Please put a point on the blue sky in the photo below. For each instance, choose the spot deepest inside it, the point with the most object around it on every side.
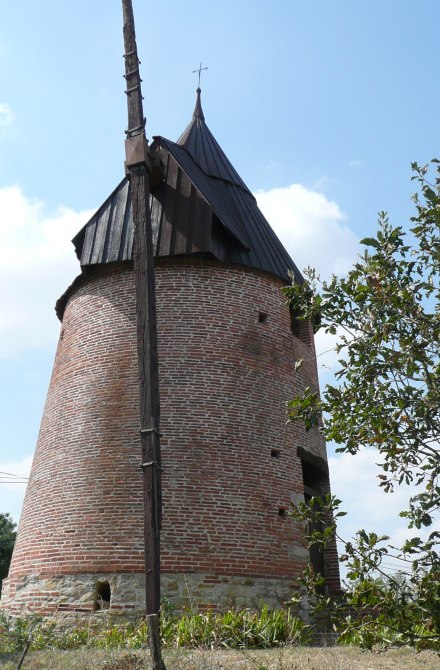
(320, 105)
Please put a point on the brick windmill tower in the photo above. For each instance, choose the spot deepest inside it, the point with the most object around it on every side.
(227, 348)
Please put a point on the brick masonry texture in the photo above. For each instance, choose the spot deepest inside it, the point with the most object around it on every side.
(225, 374)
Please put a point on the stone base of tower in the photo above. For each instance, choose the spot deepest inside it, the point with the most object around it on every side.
(82, 594)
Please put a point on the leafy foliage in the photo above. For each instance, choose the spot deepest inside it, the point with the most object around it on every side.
(386, 312)
(377, 609)
(7, 541)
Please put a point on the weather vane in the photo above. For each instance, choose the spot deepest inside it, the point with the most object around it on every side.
(199, 71)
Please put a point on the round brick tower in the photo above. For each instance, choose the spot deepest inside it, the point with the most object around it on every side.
(231, 464)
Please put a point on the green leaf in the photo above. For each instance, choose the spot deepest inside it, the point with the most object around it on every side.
(370, 242)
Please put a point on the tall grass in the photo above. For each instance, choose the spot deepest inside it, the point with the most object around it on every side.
(234, 629)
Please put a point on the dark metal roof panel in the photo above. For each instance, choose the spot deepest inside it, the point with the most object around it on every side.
(202, 146)
(201, 191)
(213, 190)
(205, 150)
(238, 211)
(181, 215)
(108, 236)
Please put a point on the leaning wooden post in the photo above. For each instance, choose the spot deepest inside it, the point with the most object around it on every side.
(138, 167)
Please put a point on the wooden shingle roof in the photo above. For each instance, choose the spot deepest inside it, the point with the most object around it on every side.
(201, 206)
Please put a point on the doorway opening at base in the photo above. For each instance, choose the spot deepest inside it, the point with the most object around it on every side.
(103, 595)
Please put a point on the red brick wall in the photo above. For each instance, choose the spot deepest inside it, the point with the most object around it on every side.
(225, 376)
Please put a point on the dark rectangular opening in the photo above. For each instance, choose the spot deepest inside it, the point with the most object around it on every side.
(301, 329)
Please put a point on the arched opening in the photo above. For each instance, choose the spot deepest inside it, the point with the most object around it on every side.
(103, 596)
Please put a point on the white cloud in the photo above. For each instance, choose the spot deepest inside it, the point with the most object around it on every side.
(354, 481)
(327, 357)
(7, 117)
(11, 494)
(37, 263)
(311, 228)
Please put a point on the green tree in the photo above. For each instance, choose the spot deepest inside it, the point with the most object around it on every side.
(386, 396)
(7, 541)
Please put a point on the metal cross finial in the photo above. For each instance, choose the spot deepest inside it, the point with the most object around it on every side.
(199, 71)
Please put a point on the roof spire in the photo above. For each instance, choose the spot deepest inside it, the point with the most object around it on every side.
(198, 111)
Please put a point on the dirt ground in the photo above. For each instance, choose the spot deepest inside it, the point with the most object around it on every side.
(297, 658)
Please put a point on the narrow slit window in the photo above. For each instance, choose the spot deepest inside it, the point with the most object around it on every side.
(282, 511)
(262, 317)
(275, 453)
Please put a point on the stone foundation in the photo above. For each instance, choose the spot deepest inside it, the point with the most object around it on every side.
(79, 594)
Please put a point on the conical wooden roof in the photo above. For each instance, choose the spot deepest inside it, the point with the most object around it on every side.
(201, 206)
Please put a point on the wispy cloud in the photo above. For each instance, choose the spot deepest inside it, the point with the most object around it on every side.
(322, 183)
(273, 165)
(355, 164)
(37, 263)
(7, 118)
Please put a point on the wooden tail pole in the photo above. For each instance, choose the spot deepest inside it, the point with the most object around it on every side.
(138, 167)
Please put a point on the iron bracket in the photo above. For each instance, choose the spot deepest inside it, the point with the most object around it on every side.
(153, 464)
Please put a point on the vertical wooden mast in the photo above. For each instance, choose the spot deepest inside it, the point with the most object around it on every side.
(138, 168)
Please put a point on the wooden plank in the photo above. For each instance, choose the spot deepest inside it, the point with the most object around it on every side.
(113, 242)
(101, 234)
(168, 209)
(149, 408)
(87, 249)
(198, 224)
(192, 220)
(206, 226)
(126, 252)
(175, 211)
(156, 219)
(148, 377)
(182, 221)
(161, 195)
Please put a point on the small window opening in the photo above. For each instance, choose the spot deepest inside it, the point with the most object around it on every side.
(282, 511)
(102, 596)
(275, 453)
(301, 329)
(262, 317)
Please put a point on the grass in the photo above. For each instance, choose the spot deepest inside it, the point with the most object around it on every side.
(236, 640)
(234, 629)
(287, 658)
